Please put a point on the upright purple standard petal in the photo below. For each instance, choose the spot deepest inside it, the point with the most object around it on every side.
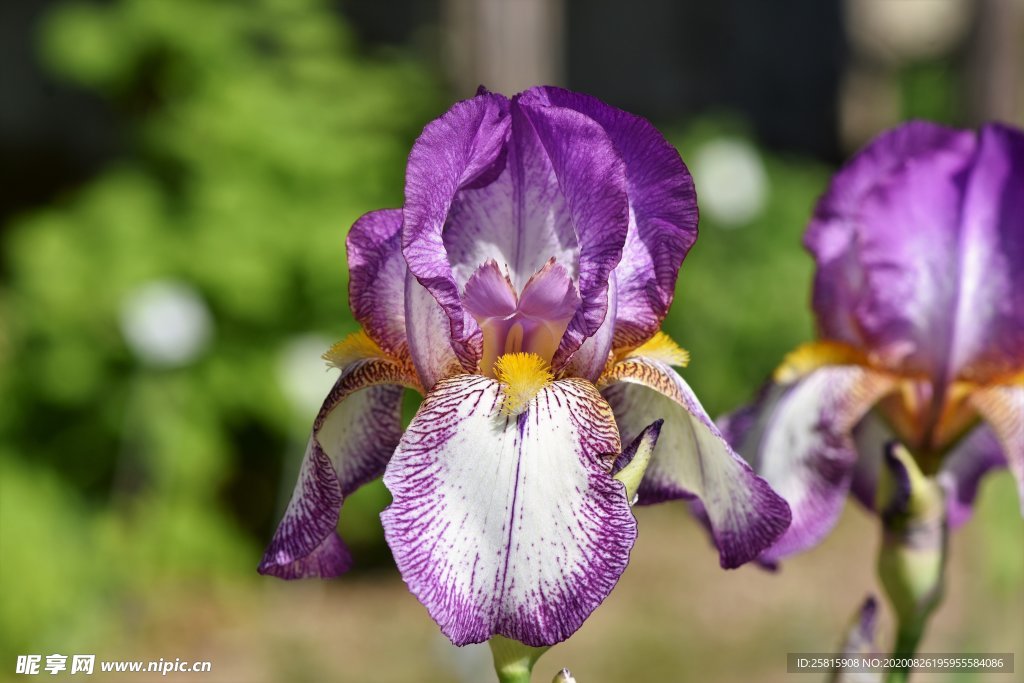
(376, 284)
(591, 177)
(920, 246)
(663, 214)
(798, 437)
(354, 435)
(989, 314)
(462, 148)
(692, 460)
(548, 184)
(509, 525)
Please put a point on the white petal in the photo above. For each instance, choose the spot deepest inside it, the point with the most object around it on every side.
(509, 525)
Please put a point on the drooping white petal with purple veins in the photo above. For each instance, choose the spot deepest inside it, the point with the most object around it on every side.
(508, 525)
(692, 459)
(376, 280)
(353, 437)
(798, 437)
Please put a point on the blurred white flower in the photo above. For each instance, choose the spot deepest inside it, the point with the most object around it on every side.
(731, 181)
(166, 322)
(303, 374)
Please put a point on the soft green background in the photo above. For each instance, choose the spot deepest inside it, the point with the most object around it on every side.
(135, 500)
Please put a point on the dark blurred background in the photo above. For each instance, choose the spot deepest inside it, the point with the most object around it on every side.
(176, 180)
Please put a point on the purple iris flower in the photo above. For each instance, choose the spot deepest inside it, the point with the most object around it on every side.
(919, 298)
(528, 272)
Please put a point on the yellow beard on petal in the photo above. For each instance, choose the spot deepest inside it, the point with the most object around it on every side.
(808, 357)
(356, 346)
(522, 375)
(661, 347)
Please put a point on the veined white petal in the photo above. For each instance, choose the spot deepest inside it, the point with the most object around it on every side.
(508, 525)
(800, 438)
(692, 460)
(353, 436)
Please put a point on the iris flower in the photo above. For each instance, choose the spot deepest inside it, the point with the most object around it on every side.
(529, 270)
(919, 299)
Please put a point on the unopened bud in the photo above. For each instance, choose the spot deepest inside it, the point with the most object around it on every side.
(630, 466)
(859, 641)
(563, 676)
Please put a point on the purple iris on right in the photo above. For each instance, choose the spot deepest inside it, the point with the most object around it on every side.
(919, 299)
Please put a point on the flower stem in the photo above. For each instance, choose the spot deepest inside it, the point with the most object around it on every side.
(513, 661)
(912, 559)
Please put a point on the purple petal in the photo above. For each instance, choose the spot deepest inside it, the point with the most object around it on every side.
(591, 177)
(920, 246)
(693, 460)
(547, 184)
(989, 322)
(799, 438)
(1002, 407)
(461, 149)
(663, 215)
(590, 359)
(376, 284)
(489, 293)
(963, 469)
(306, 543)
(508, 525)
(353, 437)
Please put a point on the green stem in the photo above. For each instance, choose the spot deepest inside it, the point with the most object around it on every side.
(513, 661)
(907, 640)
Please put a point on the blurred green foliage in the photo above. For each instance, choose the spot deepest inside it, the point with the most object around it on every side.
(743, 294)
(254, 134)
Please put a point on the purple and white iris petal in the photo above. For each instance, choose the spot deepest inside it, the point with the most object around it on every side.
(429, 335)
(1002, 407)
(591, 358)
(377, 272)
(989, 317)
(693, 460)
(519, 183)
(663, 214)
(520, 219)
(523, 538)
(592, 177)
(456, 151)
(798, 437)
(885, 289)
(354, 435)
(918, 243)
